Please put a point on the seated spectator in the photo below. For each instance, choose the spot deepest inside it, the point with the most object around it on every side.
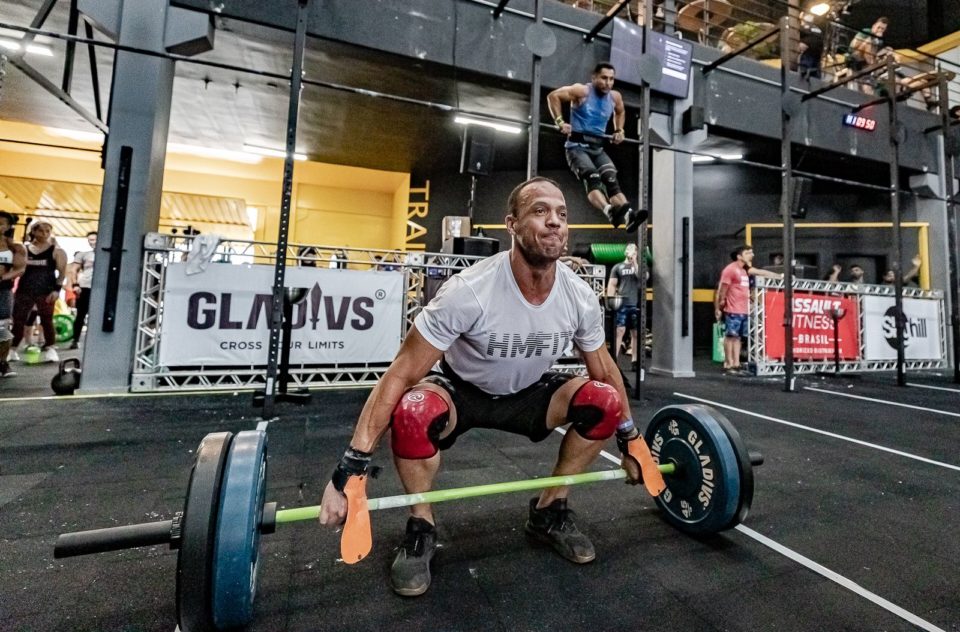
(865, 50)
(307, 256)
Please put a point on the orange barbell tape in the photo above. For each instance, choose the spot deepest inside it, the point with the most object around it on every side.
(652, 478)
(356, 539)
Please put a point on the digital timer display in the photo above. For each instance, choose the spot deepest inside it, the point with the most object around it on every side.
(860, 122)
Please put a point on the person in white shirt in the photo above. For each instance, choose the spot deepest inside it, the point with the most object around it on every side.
(80, 274)
(495, 330)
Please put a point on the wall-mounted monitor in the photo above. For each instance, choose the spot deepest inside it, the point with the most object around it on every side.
(675, 57)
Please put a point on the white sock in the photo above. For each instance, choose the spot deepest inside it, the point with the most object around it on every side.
(608, 211)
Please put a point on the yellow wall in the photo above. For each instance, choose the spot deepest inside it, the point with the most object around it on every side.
(342, 217)
(333, 205)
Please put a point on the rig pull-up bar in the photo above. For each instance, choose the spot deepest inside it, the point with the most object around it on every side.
(612, 13)
(724, 59)
(824, 89)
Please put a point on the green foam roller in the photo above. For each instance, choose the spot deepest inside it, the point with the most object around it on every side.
(608, 254)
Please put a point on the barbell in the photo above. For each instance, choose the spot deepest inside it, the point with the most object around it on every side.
(706, 466)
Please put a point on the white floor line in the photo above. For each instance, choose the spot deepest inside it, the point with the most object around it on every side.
(840, 579)
(818, 431)
(810, 564)
(880, 401)
(935, 388)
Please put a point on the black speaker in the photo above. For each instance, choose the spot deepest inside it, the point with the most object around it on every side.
(692, 119)
(476, 246)
(799, 197)
(478, 151)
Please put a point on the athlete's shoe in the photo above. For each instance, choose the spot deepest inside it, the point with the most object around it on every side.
(616, 213)
(554, 525)
(5, 370)
(633, 217)
(49, 355)
(410, 573)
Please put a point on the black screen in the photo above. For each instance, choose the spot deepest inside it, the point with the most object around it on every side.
(675, 57)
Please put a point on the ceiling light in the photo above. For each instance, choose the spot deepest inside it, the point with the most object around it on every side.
(75, 134)
(36, 49)
(500, 127)
(820, 8)
(702, 159)
(213, 152)
(273, 153)
(731, 156)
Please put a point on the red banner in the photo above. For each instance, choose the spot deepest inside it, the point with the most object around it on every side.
(813, 327)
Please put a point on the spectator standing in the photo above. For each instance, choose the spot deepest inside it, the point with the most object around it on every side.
(624, 282)
(12, 263)
(810, 46)
(81, 280)
(39, 286)
(732, 303)
(909, 277)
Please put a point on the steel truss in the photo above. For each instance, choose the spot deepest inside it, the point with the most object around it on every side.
(763, 366)
(161, 249)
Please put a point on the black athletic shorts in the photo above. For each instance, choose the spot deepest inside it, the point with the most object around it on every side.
(524, 412)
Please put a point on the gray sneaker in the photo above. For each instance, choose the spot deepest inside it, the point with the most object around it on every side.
(554, 525)
(410, 573)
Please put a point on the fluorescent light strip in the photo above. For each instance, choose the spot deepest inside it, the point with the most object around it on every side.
(36, 49)
(731, 156)
(273, 153)
(213, 152)
(702, 159)
(500, 127)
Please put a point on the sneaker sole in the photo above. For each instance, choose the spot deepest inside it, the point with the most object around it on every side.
(418, 590)
(541, 538)
(638, 219)
(411, 592)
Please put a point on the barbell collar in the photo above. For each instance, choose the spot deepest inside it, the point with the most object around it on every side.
(756, 458)
(112, 539)
(268, 523)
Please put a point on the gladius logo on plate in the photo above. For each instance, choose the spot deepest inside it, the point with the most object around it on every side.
(207, 310)
(913, 328)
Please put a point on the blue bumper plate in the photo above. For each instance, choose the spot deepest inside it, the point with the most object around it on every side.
(237, 547)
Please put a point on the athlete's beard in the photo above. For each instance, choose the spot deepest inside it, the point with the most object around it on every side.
(536, 260)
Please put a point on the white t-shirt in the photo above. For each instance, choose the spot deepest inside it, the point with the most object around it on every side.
(85, 261)
(496, 340)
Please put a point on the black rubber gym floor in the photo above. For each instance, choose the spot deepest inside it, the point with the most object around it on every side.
(854, 521)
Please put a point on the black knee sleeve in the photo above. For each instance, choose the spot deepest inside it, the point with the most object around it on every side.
(592, 181)
(608, 176)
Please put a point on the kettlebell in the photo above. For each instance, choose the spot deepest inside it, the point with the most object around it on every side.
(67, 380)
(31, 355)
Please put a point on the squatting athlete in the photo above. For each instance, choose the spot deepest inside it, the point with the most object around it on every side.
(479, 356)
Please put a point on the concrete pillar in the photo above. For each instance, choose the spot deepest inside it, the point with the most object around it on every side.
(672, 203)
(139, 114)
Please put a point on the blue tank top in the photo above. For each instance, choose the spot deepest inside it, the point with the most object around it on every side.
(591, 115)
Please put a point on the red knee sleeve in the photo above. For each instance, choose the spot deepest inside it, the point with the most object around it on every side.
(595, 410)
(417, 421)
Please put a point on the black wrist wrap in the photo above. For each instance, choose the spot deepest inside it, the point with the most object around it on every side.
(353, 463)
(623, 438)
